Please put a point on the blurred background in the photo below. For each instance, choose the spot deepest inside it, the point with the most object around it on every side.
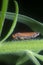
(33, 9)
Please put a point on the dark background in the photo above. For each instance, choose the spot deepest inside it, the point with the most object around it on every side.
(31, 8)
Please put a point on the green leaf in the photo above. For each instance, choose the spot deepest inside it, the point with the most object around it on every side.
(3, 14)
(14, 22)
(38, 56)
(32, 23)
(26, 56)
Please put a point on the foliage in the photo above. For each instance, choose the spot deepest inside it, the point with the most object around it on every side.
(8, 48)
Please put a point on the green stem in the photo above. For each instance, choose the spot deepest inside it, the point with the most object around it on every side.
(32, 23)
(35, 25)
(3, 13)
(26, 55)
(16, 46)
(13, 24)
(38, 56)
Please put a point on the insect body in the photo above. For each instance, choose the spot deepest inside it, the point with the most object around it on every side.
(25, 35)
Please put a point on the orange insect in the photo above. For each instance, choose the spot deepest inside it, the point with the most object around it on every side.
(25, 35)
